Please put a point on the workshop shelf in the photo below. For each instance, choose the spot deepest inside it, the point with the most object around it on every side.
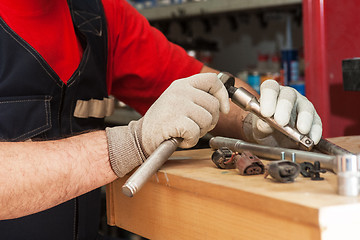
(193, 9)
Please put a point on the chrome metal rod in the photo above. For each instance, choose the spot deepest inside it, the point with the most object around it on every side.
(274, 153)
(150, 166)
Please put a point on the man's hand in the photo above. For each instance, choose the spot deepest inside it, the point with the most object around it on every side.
(188, 109)
(287, 106)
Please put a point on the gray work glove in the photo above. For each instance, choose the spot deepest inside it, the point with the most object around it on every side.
(287, 106)
(188, 109)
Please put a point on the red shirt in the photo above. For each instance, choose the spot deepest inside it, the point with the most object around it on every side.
(47, 26)
(141, 62)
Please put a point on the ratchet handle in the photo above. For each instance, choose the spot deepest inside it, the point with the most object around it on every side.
(248, 102)
(150, 166)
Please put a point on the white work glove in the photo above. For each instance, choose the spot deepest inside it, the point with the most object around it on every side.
(287, 106)
(187, 109)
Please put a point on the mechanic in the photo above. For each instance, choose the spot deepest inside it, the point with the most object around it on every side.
(60, 61)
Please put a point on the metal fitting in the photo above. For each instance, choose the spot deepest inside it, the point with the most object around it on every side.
(348, 174)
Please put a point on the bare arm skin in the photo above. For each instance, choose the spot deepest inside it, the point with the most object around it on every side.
(231, 124)
(35, 176)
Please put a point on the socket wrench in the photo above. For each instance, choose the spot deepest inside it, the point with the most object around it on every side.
(248, 102)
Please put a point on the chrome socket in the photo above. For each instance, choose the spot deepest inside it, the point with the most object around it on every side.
(348, 175)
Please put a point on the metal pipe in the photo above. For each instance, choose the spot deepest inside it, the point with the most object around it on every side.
(150, 166)
(274, 153)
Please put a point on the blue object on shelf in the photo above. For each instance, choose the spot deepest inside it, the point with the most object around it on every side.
(299, 86)
(290, 64)
(254, 81)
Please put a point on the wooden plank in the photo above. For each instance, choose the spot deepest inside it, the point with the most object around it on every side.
(159, 212)
(110, 204)
(189, 198)
(351, 143)
(340, 222)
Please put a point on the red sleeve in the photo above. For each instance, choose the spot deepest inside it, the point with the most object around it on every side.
(142, 62)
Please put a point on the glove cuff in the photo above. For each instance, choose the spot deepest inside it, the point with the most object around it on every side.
(125, 151)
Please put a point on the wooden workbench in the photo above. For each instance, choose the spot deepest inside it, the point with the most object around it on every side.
(189, 198)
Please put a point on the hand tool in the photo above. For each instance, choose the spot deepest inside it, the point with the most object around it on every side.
(150, 166)
(330, 148)
(248, 102)
(243, 99)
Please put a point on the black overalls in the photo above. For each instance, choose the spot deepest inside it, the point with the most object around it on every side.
(36, 104)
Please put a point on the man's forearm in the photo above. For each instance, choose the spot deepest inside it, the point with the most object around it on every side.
(35, 176)
(231, 124)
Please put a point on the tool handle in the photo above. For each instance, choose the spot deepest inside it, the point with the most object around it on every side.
(248, 102)
(330, 148)
(150, 166)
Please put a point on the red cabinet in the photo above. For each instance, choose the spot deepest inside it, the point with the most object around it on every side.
(331, 34)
